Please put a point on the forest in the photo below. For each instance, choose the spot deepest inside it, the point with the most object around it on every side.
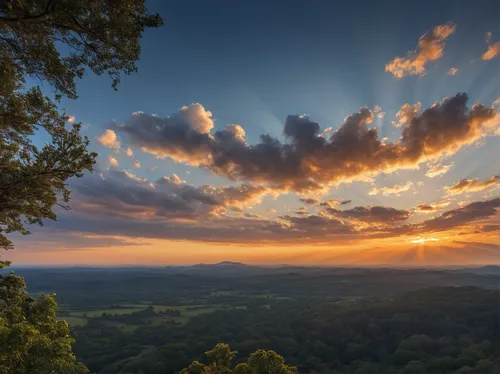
(320, 320)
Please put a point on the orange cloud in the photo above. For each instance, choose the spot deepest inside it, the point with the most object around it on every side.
(130, 153)
(438, 169)
(430, 48)
(470, 185)
(492, 51)
(394, 190)
(109, 140)
(112, 161)
(431, 208)
(137, 164)
(452, 71)
(331, 203)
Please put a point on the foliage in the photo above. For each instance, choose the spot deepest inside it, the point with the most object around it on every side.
(259, 362)
(101, 36)
(32, 340)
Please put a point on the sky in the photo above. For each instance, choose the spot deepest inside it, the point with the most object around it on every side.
(312, 133)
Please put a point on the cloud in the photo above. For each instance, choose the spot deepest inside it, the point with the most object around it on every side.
(492, 51)
(109, 140)
(174, 179)
(331, 203)
(71, 119)
(310, 201)
(394, 190)
(438, 169)
(130, 153)
(345, 202)
(431, 208)
(308, 162)
(184, 136)
(153, 168)
(372, 214)
(471, 185)
(430, 48)
(407, 113)
(112, 161)
(452, 71)
(121, 194)
(137, 164)
(461, 216)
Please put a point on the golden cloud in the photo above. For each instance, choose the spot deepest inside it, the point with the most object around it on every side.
(471, 185)
(430, 48)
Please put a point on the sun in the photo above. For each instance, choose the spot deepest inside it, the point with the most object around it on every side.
(424, 240)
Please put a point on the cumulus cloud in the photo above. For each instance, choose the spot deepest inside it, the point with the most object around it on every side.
(452, 71)
(71, 119)
(394, 190)
(137, 164)
(437, 169)
(112, 161)
(308, 162)
(184, 136)
(109, 140)
(130, 153)
(430, 48)
(492, 51)
(471, 185)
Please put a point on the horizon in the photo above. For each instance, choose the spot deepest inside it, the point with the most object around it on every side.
(315, 137)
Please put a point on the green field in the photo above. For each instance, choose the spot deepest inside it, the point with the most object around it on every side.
(81, 317)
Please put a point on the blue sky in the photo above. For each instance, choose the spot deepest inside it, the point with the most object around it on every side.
(255, 63)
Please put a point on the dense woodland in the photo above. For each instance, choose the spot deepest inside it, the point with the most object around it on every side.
(319, 320)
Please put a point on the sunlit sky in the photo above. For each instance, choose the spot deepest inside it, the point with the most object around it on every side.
(273, 132)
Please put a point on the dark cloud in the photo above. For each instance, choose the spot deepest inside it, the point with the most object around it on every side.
(461, 216)
(345, 202)
(373, 214)
(310, 201)
(308, 161)
(121, 193)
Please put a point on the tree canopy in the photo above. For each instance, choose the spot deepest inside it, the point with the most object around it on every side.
(54, 42)
(32, 340)
(259, 362)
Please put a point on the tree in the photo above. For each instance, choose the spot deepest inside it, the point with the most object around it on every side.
(32, 340)
(101, 36)
(260, 362)
(54, 42)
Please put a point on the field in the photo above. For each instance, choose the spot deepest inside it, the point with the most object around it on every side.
(157, 318)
